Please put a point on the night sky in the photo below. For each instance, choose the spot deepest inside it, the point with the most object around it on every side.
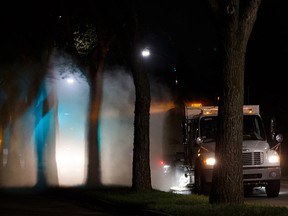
(186, 40)
(192, 48)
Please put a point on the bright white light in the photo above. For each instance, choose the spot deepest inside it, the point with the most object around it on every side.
(183, 181)
(145, 52)
(70, 162)
(70, 80)
(210, 161)
(274, 159)
(70, 145)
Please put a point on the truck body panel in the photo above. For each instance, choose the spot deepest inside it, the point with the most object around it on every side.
(194, 133)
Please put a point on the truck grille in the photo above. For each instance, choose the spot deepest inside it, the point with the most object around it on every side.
(252, 158)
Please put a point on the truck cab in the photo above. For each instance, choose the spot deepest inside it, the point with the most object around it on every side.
(261, 163)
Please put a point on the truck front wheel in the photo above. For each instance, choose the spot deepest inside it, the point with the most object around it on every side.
(273, 188)
(201, 186)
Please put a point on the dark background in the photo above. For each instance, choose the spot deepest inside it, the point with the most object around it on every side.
(191, 48)
(182, 37)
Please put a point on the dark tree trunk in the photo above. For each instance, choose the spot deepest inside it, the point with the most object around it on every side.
(227, 176)
(141, 175)
(96, 68)
(95, 58)
(236, 21)
(94, 166)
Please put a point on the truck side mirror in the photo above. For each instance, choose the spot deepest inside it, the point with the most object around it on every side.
(199, 141)
(273, 128)
(279, 138)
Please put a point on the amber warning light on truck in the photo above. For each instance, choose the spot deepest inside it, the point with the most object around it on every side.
(194, 104)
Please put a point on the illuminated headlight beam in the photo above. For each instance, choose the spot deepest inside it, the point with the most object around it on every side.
(274, 159)
(210, 161)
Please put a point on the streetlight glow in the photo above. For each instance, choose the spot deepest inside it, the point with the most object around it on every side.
(70, 80)
(145, 52)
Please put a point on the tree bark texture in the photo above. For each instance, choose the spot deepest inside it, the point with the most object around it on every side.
(96, 69)
(141, 174)
(236, 19)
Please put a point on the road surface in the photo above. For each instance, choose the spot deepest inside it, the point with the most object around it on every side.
(259, 196)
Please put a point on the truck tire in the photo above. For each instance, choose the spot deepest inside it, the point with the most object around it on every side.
(273, 188)
(248, 189)
(201, 187)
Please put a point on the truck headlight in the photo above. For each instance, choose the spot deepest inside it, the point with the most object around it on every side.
(209, 161)
(273, 159)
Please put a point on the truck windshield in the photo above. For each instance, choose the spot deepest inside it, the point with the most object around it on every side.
(252, 128)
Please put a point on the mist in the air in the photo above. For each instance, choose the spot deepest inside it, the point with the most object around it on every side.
(49, 139)
(117, 129)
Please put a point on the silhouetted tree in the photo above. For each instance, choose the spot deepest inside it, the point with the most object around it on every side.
(235, 20)
(141, 175)
(25, 55)
(86, 33)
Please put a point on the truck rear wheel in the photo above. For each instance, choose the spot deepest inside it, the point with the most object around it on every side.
(273, 188)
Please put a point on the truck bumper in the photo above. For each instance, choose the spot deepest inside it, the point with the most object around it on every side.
(261, 175)
(257, 175)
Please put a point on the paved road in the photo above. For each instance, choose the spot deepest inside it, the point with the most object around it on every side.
(259, 196)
